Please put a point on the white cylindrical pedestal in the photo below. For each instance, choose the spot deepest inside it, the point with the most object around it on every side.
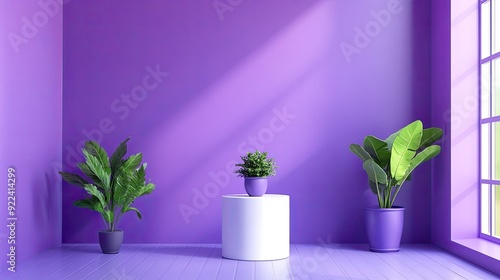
(256, 228)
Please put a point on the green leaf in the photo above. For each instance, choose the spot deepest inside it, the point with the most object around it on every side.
(378, 179)
(86, 170)
(360, 152)
(73, 179)
(378, 150)
(425, 155)
(98, 170)
(139, 215)
(116, 158)
(127, 185)
(404, 149)
(108, 216)
(94, 149)
(84, 203)
(375, 172)
(390, 140)
(147, 189)
(121, 183)
(373, 187)
(134, 181)
(92, 190)
(137, 182)
(429, 136)
(132, 162)
(90, 203)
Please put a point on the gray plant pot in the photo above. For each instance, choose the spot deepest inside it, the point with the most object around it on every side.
(110, 241)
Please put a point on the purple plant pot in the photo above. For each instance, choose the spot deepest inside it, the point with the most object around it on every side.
(384, 227)
(110, 241)
(255, 186)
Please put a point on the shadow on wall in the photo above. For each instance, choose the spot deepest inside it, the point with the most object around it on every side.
(280, 84)
(173, 100)
(48, 207)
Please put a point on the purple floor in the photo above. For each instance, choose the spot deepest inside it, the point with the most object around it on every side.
(180, 261)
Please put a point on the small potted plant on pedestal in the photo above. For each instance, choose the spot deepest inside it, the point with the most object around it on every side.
(389, 163)
(113, 185)
(256, 167)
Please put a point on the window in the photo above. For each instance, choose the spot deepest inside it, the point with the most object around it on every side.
(490, 118)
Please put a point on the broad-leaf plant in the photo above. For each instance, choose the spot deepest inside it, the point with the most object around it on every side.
(390, 162)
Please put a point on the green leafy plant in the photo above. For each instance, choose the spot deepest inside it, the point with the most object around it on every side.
(256, 164)
(390, 162)
(114, 183)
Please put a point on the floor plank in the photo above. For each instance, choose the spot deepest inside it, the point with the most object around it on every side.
(213, 264)
(104, 264)
(245, 270)
(406, 266)
(166, 255)
(47, 259)
(197, 262)
(180, 264)
(311, 266)
(205, 262)
(452, 264)
(145, 265)
(282, 269)
(264, 270)
(383, 268)
(92, 258)
(347, 267)
(367, 269)
(328, 264)
(227, 269)
(122, 270)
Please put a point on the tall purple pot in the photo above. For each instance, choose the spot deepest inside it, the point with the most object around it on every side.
(384, 227)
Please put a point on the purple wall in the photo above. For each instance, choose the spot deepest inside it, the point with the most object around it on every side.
(441, 104)
(31, 123)
(300, 80)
